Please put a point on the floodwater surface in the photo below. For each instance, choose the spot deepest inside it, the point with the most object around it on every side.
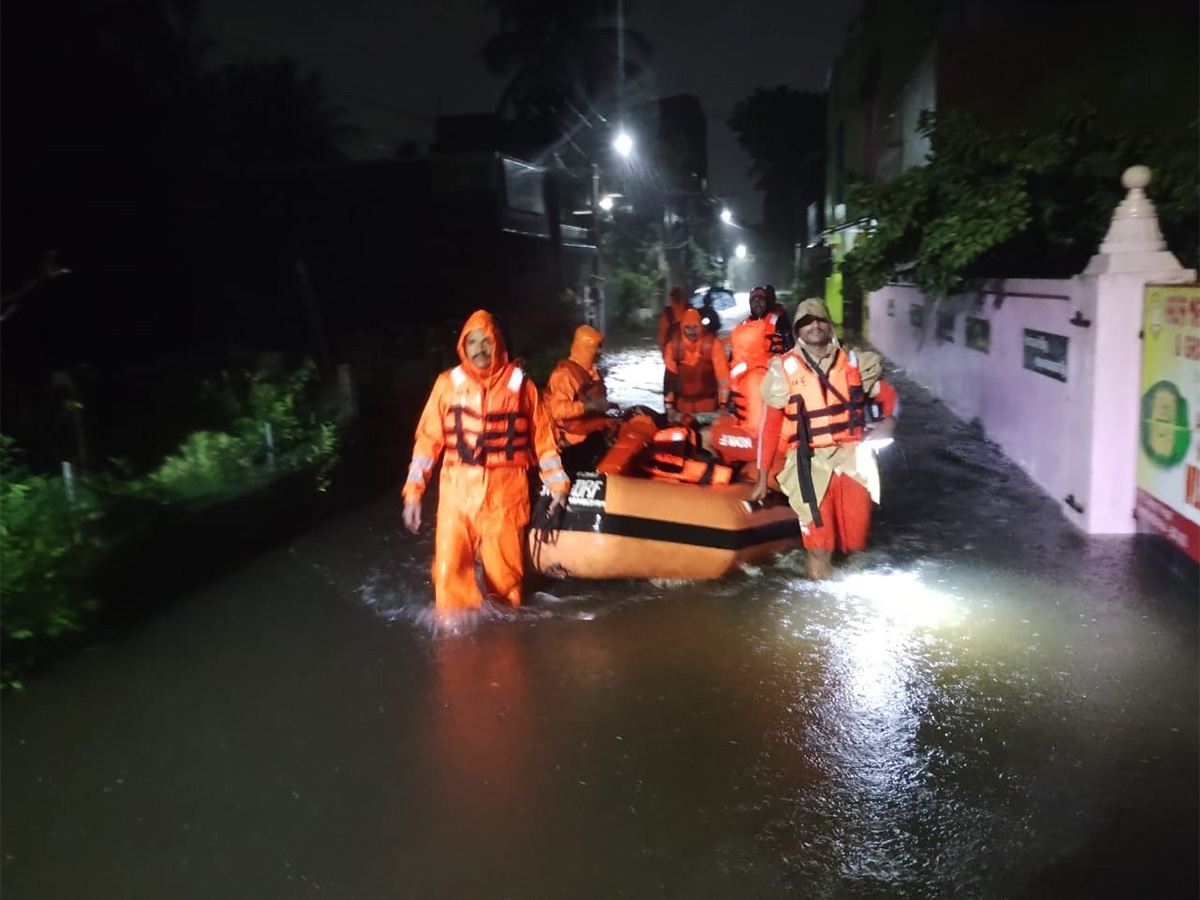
(984, 704)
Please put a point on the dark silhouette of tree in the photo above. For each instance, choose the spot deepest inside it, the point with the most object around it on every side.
(273, 113)
(103, 84)
(561, 59)
(783, 131)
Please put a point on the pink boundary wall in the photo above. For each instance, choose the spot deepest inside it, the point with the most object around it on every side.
(1077, 439)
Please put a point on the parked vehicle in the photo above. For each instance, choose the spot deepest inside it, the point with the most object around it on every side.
(733, 308)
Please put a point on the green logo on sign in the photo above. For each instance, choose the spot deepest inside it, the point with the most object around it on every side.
(1165, 432)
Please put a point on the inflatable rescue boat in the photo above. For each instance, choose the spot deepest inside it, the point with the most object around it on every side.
(623, 524)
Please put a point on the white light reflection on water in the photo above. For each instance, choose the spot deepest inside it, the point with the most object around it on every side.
(902, 598)
(868, 642)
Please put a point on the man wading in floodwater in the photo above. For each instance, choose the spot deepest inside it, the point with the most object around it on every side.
(823, 401)
(487, 417)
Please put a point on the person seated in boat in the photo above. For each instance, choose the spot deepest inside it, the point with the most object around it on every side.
(577, 401)
(734, 435)
(672, 316)
(697, 372)
(825, 406)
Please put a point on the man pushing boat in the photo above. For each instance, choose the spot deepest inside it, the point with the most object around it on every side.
(825, 407)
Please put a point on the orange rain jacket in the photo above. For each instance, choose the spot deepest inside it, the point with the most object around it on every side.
(573, 380)
(488, 427)
(671, 319)
(697, 375)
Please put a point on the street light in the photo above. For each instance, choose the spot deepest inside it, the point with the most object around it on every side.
(606, 202)
(623, 143)
(727, 216)
(740, 251)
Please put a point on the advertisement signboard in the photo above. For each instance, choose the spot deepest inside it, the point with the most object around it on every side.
(1168, 477)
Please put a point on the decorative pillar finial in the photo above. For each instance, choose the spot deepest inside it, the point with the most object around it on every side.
(1134, 242)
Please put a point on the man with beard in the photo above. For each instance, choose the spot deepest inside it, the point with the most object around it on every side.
(487, 417)
(824, 404)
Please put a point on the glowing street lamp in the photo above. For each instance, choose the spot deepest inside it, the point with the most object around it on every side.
(606, 203)
(727, 216)
(740, 251)
(623, 143)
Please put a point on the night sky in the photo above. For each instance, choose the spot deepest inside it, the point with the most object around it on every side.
(395, 66)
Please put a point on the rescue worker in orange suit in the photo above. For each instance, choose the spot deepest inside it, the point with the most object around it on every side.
(766, 308)
(734, 436)
(485, 421)
(830, 404)
(672, 316)
(577, 402)
(697, 374)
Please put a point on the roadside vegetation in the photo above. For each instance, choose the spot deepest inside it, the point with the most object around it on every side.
(59, 530)
(992, 204)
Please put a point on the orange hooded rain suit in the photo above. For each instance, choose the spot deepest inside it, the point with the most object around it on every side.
(697, 375)
(492, 426)
(573, 380)
(672, 317)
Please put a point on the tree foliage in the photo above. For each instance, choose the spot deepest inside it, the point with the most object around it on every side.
(1015, 204)
(631, 245)
(130, 83)
(783, 131)
(274, 112)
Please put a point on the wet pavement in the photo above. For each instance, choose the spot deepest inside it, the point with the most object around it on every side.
(984, 704)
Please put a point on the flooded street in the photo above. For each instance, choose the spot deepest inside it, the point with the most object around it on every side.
(985, 704)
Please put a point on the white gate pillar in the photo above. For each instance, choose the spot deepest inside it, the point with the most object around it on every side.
(1132, 255)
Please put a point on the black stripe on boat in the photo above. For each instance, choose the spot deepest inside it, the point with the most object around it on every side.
(678, 533)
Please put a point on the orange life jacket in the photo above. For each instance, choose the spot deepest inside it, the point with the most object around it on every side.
(744, 393)
(634, 435)
(697, 383)
(825, 408)
(487, 428)
(776, 342)
(732, 442)
(672, 457)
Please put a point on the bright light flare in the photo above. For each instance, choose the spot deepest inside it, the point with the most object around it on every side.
(606, 203)
(726, 216)
(623, 144)
(902, 598)
(740, 251)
